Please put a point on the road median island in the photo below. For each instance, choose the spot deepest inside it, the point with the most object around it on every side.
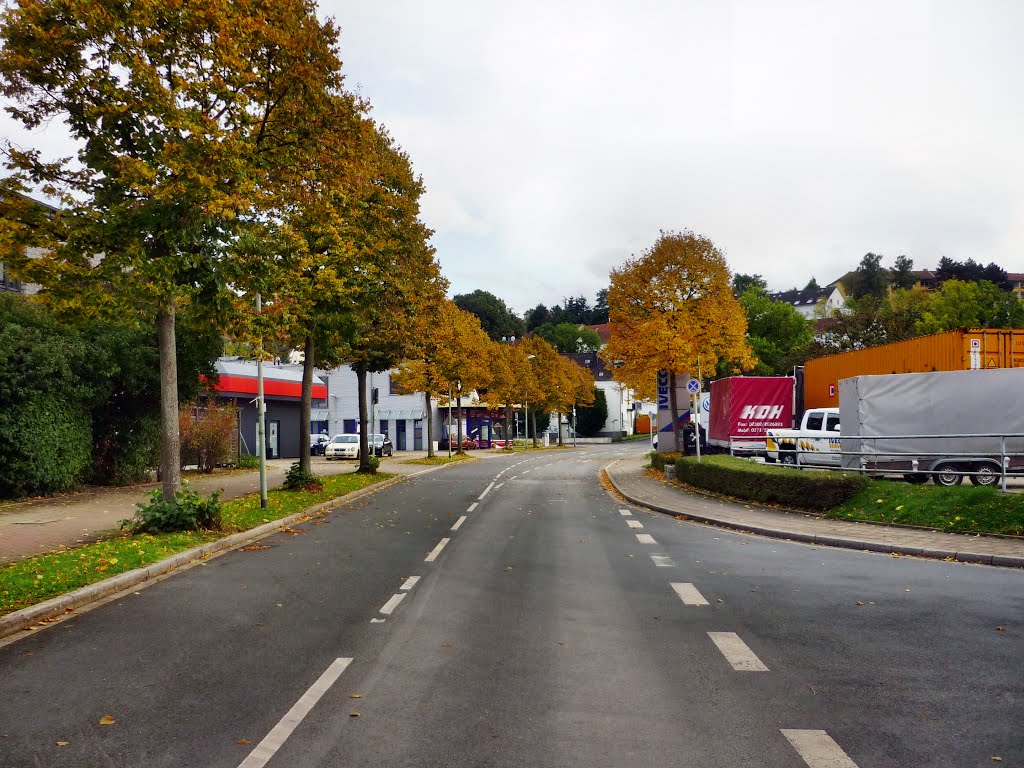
(43, 588)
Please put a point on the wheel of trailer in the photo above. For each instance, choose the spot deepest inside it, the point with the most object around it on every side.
(788, 458)
(947, 475)
(916, 478)
(985, 474)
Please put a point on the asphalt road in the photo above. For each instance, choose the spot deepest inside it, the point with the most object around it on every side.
(545, 632)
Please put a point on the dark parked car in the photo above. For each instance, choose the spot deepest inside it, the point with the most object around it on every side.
(381, 445)
(317, 443)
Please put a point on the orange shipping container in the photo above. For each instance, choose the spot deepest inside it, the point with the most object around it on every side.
(951, 351)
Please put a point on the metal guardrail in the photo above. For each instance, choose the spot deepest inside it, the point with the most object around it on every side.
(1002, 456)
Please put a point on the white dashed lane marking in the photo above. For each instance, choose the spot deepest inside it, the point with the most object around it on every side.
(486, 491)
(736, 652)
(436, 551)
(272, 742)
(410, 583)
(472, 507)
(391, 604)
(634, 524)
(818, 749)
(625, 513)
(663, 561)
(458, 523)
(645, 538)
(689, 594)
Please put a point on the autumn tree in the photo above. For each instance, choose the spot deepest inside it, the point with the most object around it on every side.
(454, 353)
(672, 309)
(510, 383)
(396, 282)
(180, 112)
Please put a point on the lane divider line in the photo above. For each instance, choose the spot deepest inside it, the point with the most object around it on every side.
(498, 486)
(436, 551)
(818, 749)
(458, 523)
(663, 561)
(376, 621)
(472, 507)
(272, 742)
(388, 608)
(513, 478)
(410, 583)
(645, 538)
(486, 491)
(625, 513)
(736, 652)
(634, 524)
(689, 594)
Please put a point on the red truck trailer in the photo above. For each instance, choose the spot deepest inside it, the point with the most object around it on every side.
(744, 408)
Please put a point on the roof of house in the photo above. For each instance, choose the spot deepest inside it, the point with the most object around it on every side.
(603, 331)
(803, 298)
(592, 363)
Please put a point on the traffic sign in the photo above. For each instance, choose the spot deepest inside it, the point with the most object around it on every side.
(693, 386)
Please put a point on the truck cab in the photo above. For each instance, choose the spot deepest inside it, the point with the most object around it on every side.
(814, 443)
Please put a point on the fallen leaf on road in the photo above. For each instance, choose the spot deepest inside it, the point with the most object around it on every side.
(996, 759)
(508, 567)
(243, 742)
(719, 600)
(1000, 629)
(354, 714)
(255, 547)
(355, 695)
(447, 644)
(859, 602)
(107, 720)
(63, 743)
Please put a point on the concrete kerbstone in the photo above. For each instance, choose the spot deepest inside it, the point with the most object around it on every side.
(60, 605)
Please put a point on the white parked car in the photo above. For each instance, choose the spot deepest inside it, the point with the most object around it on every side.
(342, 447)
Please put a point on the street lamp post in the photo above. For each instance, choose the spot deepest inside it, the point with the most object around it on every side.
(449, 425)
(528, 358)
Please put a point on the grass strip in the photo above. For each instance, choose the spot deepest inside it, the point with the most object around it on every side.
(960, 509)
(34, 579)
(433, 461)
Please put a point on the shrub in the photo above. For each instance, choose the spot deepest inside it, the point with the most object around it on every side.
(209, 434)
(590, 419)
(187, 511)
(660, 460)
(44, 446)
(758, 482)
(297, 480)
(247, 461)
(373, 463)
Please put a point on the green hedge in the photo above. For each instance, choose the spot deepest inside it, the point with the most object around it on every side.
(660, 460)
(765, 483)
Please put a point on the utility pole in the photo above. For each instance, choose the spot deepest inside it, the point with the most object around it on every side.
(261, 414)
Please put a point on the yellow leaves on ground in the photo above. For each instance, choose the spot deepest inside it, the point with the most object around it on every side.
(107, 720)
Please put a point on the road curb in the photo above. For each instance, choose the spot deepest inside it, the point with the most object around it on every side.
(58, 606)
(1004, 561)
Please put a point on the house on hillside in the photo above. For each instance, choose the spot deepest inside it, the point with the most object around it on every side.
(620, 398)
(807, 301)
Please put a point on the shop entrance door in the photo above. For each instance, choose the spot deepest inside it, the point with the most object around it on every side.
(273, 445)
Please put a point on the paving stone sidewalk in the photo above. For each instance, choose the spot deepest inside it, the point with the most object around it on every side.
(36, 526)
(629, 478)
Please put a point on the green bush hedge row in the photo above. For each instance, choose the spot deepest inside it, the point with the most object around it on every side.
(660, 460)
(758, 482)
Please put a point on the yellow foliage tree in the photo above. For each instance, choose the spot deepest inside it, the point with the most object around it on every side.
(512, 380)
(672, 309)
(451, 357)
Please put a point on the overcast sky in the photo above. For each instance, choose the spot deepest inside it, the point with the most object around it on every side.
(557, 138)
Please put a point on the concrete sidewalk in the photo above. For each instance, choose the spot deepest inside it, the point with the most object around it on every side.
(629, 478)
(42, 525)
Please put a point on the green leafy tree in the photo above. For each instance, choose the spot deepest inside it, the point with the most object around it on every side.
(569, 337)
(180, 113)
(902, 275)
(741, 282)
(599, 314)
(812, 285)
(959, 304)
(590, 419)
(497, 320)
(774, 330)
(869, 279)
(537, 316)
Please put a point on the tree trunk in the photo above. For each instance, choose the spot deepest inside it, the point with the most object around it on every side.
(459, 418)
(306, 409)
(364, 461)
(170, 441)
(533, 420)
(675, 410)
(430, 428)
(559, 429)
